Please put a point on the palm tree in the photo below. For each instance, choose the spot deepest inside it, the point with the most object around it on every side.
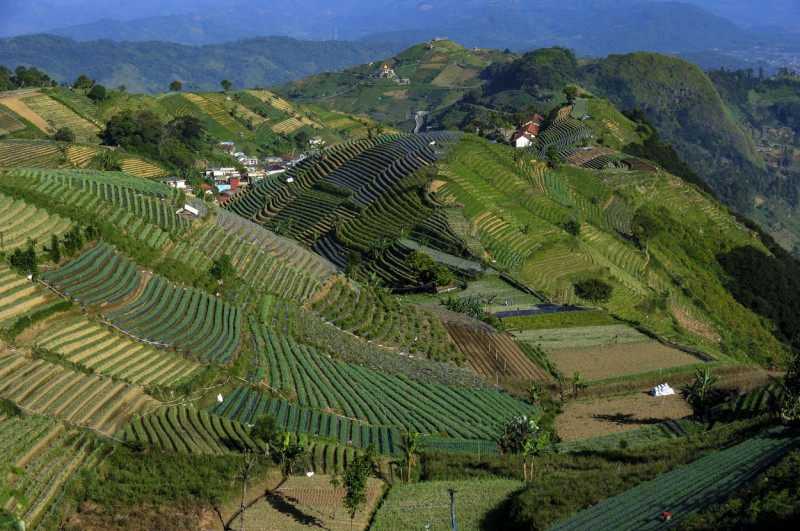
(696, 393)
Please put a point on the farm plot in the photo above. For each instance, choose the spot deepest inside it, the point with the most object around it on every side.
(582, 336)
(582, 419)
(479, 504)
(322, 383)
(141, 168)
(81, 156)
(301, 502)
(185, 429)
(21, 222)
(19, 296)
(101, 275)
(687, 489)
(191, 320)
(17, 105)
(386, 322)
(61, 116)
(597, 363)
(91, 345)
(310, 330)
(81, 399)
(493, 355)
(9, 124)
(49, 454)
(19, 153)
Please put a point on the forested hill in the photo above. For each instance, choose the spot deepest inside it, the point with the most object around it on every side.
(151, 66)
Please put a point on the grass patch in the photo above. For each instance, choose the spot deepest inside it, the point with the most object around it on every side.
(558, 320)
(481, 504)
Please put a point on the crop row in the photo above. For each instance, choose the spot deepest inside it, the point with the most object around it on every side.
(186, 318)
(100, 275)
(185, 429)
(52, 390)
(93, 346)
(323, 383)
(290, 319)
(687, 489)
(60, 454)
(244, 405)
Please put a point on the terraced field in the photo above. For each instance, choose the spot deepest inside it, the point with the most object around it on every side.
(55, 113)
(49, 454)
(19, 153)
(99, 276)
(9, 124)
(21, 222)
(185, 429)
(385, 321)
(190, 320)
(687, 489)
(142, 168)
(321, 383)
(85, 342)
(80, 399)
(19, 296)
(81, 156)
(494, 355)
(263, 260)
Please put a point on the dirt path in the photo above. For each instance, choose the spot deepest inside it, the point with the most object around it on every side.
(16, 104)
(582, 419)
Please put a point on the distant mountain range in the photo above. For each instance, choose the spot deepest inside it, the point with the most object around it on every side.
(591, 27)
(151, 66)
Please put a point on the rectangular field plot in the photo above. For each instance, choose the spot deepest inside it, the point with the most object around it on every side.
(597, 363)
(582, 336)
(417, 505)
(302, 502)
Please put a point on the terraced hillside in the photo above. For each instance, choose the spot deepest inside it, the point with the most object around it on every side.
(49, 453)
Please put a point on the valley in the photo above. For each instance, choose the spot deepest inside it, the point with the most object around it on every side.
(270, 290)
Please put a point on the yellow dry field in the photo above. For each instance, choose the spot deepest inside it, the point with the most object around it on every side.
(61, 116)
(597, 363)
(79, 156)
(454, 74)
(287, 126)
(141, 168)
(582, 419)
(16, 104)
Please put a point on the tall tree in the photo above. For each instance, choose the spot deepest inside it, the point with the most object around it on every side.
(226, 85)
(176, 86)
(354, 481)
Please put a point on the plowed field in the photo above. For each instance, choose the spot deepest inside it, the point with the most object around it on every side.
(495, 355)
(597, 363)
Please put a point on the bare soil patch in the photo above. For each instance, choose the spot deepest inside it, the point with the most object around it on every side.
(582, 419)
(304, 502)
(695, 326)
(15, 104)
(597, 363)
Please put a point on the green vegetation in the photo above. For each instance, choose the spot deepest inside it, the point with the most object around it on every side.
(559, 320)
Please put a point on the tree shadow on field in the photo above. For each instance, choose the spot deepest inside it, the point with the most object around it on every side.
(627, 418)
(497, 517)
(284, 505)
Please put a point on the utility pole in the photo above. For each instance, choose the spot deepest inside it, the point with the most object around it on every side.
(248, 460)
(452, 507)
